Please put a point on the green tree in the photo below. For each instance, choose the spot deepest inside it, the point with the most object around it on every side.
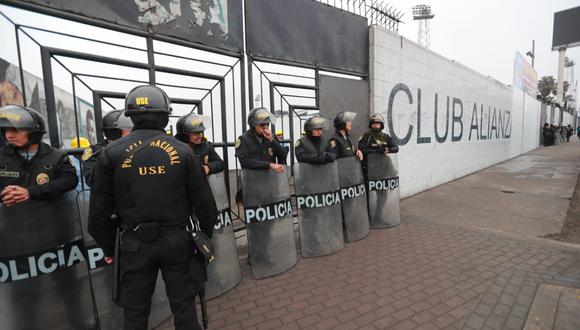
(547, 87)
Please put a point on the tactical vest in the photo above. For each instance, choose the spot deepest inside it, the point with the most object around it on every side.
(39, 170)
(150, 185)
(311, 148)
(260, 150)
(342, 146)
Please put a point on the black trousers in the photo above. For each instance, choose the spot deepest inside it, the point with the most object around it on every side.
(140, 263)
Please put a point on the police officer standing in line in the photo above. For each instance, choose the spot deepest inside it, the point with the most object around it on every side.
(152, 182)
(29, 168)
(115, 126)
(190, 130)
(341, 142)
(375, 141)
(314, 148)
(257, 148)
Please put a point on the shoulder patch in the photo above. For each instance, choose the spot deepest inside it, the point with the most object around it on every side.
(297, 144)
(238, 143)
(87, 154)
(332, 144)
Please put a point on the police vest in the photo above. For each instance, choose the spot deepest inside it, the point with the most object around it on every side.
(342, 146)
(312, 148)
(150, 185)
(260, 150)
(41, 169)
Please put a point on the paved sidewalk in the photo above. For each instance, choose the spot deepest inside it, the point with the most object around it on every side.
(466, 255)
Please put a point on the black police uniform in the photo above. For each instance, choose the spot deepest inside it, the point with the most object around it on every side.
(89, 159)
(342, 145)
(257, 152)
(206, 153)
(153, 192)
(46, 176)
(376, 142)
(314, 150)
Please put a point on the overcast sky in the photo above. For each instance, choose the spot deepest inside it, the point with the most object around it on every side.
(485, 35)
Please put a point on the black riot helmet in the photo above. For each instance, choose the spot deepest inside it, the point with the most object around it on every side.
(18, 117)
(113, 124)
(259, 116)
(147, 99)
(377, 118)
(187, 124)
(314, 123)
(343, 117)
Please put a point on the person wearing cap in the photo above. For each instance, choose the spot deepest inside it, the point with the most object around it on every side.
(190, 130)
(280, 137)
(29, 168)
(314, 148)
(257, 148)
(115, 126)
(375, 140)
(154, 184)
(341, 141)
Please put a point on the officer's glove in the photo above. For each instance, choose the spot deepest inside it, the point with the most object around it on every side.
(328, 157)
(321, 159)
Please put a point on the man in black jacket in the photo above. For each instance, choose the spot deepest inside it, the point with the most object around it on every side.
(29, 168)
(341, 141)
(190, 130)
(314, 148)
(375, 141)
(152, 182)
(257, 148)
(115, 126)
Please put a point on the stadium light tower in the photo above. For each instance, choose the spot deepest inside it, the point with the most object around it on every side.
(422, 14)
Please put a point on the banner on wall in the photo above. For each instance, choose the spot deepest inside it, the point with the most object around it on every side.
(11, 93)
(525, 76)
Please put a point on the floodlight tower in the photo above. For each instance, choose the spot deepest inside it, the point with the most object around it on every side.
(422, 14)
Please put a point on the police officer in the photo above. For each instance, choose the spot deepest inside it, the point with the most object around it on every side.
(190, 130)
(374, 140)
(29, 168)
(314, 148)
(546, 134)
(115, 126)
(257, 148)
(152, 182)
(341, 141)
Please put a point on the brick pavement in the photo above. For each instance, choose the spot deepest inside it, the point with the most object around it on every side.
(420, 275)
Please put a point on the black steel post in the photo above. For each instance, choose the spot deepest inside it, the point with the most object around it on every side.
(225, 134)
(51, 115)
(97, 108)
(22, 83)
(151, 60)
(291, 123)
(243, 87)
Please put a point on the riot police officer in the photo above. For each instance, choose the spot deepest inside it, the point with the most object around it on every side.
(29, 168)
(190, 130)
(374, 140)
(341, 141)
(115, 126)
(314, 148)
(257, 148)
(152, 182)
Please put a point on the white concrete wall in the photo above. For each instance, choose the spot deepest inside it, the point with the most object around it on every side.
(475, 139)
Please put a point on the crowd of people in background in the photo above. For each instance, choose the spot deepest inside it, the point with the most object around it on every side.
(557, 134)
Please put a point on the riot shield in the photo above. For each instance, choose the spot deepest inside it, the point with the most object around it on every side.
(44, 280)
(354, 199)
(269, 222)
(224, 273)
(383, 190)
(319, 212)
(111, 315)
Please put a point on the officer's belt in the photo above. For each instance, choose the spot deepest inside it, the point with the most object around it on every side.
(162, 224)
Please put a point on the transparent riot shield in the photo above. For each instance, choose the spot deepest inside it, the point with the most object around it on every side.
(44, 280)
(224, 273)
(354, 199)
(269, 222)
(319, 212)
(383, 190)
(111, 315)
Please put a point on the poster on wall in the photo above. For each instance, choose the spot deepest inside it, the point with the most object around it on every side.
(87, 120)
(525, 76)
